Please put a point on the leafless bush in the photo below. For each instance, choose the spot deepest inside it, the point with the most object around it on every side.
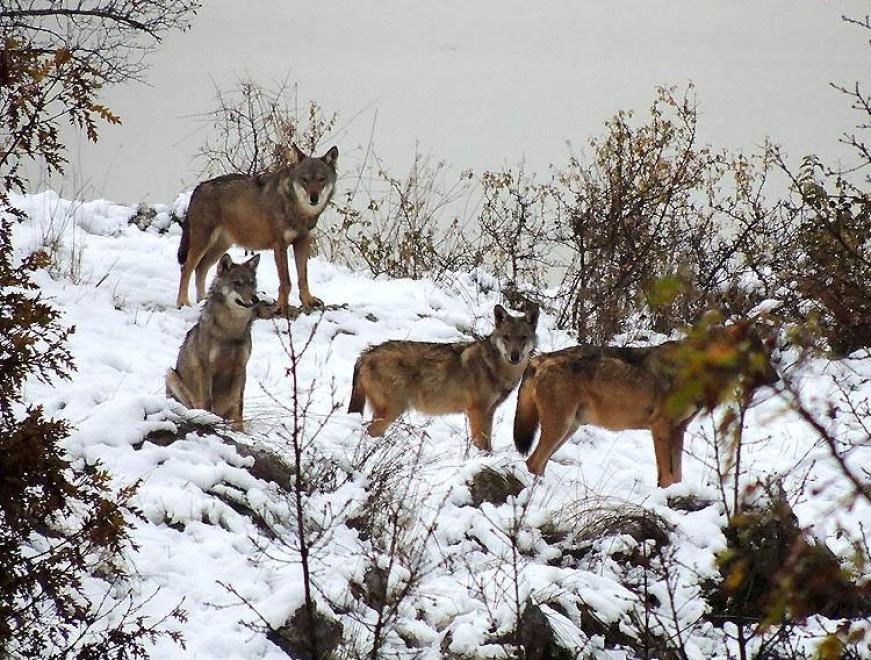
(254, 126)
(61, 527)
(516, 222)
(825, 267)
(636, 213)
(394, 530)
(403, 227)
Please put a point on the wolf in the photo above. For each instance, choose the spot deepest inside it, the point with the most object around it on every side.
(270, 211)
(626, 388)
(437, 378)
(210, 371)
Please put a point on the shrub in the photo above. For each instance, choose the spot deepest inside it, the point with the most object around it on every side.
(59, 524)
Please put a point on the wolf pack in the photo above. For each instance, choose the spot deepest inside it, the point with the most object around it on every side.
(616, 388)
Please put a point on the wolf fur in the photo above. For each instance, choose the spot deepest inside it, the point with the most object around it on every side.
(266, 212)
(436, 378)
(210, 371)
(616, 389)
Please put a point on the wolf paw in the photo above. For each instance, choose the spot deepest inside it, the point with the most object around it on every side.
(310, 302)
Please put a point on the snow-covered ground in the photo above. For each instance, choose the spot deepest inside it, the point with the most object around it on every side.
(117, 284)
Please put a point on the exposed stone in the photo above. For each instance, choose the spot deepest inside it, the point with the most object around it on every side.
(267, 466)
(690, 503)
(301, 642)
(143, 217)
(488, 485)
(538, 638)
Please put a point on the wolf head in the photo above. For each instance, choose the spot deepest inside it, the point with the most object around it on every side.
(514, 336)
(756, 354)
(314, 179)
(237, 283)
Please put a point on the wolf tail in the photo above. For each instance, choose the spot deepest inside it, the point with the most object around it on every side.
(526, 416)
(358, 396)
(184, 245)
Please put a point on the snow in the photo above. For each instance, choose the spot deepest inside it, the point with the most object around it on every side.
(192, 545)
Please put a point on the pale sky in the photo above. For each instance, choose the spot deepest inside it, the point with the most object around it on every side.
(484, 83)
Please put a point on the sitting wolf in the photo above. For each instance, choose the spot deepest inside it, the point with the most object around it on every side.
(435, 378)
(210, 372)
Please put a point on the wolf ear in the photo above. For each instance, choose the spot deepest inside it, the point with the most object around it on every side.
(499, 314)
(532, 314)
(253, 262)
(225, 264)
(297, 153)
(330, 157)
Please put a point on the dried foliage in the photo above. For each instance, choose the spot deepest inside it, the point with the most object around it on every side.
(255, 127)
(56, 57)
(398, 226)
(517, 228)
(650, 227)
(59, 526)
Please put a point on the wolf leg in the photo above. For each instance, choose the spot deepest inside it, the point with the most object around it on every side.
(176, 389)
(481, 425)
(301, 252)
(209, 259)
(280, 253)
(197, 247)
(382, 417)
(668, 449)
(557, 425)
(676, 450)
(235, 416)
(182, 299)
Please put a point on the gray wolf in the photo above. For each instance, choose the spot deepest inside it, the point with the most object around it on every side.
(437, 378)
(632, 388)
(210, 371)
(265, 212)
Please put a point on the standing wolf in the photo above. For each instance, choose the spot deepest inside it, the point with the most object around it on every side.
(625, 388)
(267, 212)
(210, 372)
(434, 378)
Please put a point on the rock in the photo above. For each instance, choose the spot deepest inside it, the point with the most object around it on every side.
(488, 485)
(295, 637)
(538, 638)
(143, 217)
(689, 503)
(267, 466)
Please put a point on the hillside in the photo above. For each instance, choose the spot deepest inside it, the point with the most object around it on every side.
(218, 537)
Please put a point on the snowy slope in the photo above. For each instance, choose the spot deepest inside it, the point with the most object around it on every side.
(117, 285)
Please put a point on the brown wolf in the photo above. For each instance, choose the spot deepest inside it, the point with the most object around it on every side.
(210, 372)
(266, 212)
(623, 388)
(434, 378)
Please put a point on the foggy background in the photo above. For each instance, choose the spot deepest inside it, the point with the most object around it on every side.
(479, 84)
